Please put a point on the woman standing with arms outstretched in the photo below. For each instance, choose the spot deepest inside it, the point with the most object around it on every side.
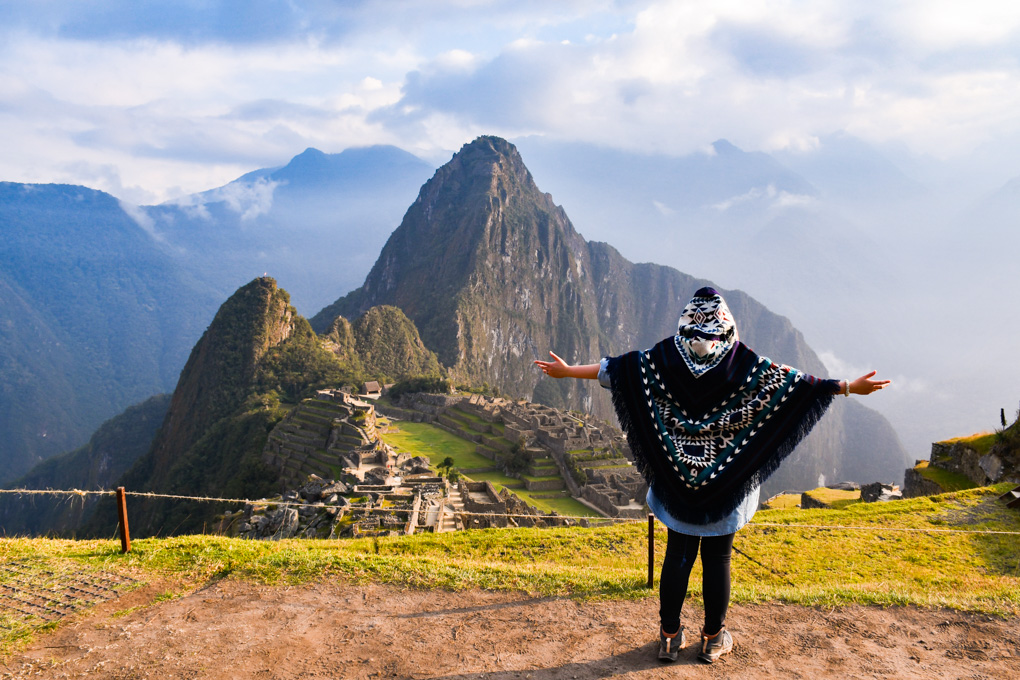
(707, 420)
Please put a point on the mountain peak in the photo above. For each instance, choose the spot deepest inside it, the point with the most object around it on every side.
(478, 214)
(257, 317)
(308, 161)
(487, 147)
(723, 147)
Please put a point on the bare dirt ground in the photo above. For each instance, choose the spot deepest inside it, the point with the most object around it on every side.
(232, 629)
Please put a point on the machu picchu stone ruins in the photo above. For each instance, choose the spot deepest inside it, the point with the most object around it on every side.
(338, 478)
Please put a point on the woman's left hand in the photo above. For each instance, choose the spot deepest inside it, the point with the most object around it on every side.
(865, 384)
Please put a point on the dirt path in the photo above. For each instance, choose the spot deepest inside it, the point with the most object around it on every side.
(240, 630)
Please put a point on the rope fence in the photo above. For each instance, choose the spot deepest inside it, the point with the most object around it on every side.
(125, 536)
(614, 520)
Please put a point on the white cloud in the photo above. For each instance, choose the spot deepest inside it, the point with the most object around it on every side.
(667, 77)
(142, 219)
(247, 199)
(663, 209)
(940, 24)
(838, 367)
(772, 198)
(751, 195)
(785, 199)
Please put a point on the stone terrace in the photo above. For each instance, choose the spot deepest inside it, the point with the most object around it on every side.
(322, 436)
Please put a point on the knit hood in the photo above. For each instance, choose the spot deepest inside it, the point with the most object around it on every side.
(706, 331)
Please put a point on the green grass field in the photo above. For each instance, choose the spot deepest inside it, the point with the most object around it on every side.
(786, 501)
(949, 481)
(836, 498)
(980, 442)
(895, 553)
(423, 439)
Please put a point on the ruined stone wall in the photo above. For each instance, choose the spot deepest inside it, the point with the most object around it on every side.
(915, 484)
(407, 414)
(599, 496)
(960, 459)
(316, 436)
(492, 504)
(432, 404)
(486, 409)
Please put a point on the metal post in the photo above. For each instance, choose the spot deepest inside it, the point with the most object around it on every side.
(125, 535)
(651, 549)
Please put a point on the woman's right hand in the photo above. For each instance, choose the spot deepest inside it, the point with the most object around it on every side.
(557, 368)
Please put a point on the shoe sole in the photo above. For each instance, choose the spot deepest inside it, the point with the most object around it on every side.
(712, 658)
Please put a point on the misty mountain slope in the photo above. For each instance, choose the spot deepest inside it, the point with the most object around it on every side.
(851, 172)
(742, 219)
(494, 275)
(39, 414)
(96, 316)
(316, 223)
(97, 465)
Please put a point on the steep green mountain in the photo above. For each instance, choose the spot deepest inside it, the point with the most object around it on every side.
(339, 339)
(389, 347)
(94, 315)
(493, 274)
(256, 353)
(111, 451)
(257, 358)
(382, 344)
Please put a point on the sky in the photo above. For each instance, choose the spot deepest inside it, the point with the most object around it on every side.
(153, 100)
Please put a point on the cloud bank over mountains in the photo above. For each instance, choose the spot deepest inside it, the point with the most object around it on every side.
(152, 100)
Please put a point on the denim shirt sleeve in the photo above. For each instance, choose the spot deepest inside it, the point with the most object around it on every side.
(604, 374)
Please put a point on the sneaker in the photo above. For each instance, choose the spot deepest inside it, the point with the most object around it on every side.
(670, 645)
(714, 646)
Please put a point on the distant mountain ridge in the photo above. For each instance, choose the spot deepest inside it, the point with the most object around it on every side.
(316, 222)
(94, 316)
(100, 301)
(494, 275)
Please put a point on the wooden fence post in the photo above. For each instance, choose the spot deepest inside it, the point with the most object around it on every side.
(125, 535)
(651, 549)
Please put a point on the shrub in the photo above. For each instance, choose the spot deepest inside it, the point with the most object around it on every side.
(517, 460)
(422, 383)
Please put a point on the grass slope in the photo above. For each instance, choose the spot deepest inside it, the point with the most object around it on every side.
(880, 562)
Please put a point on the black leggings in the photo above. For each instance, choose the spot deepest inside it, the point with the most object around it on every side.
(681, 551)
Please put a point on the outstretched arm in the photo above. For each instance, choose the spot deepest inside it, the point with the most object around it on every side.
(864, 384)
(558, 368)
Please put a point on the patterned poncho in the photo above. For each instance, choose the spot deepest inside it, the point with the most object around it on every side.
(708, 419)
